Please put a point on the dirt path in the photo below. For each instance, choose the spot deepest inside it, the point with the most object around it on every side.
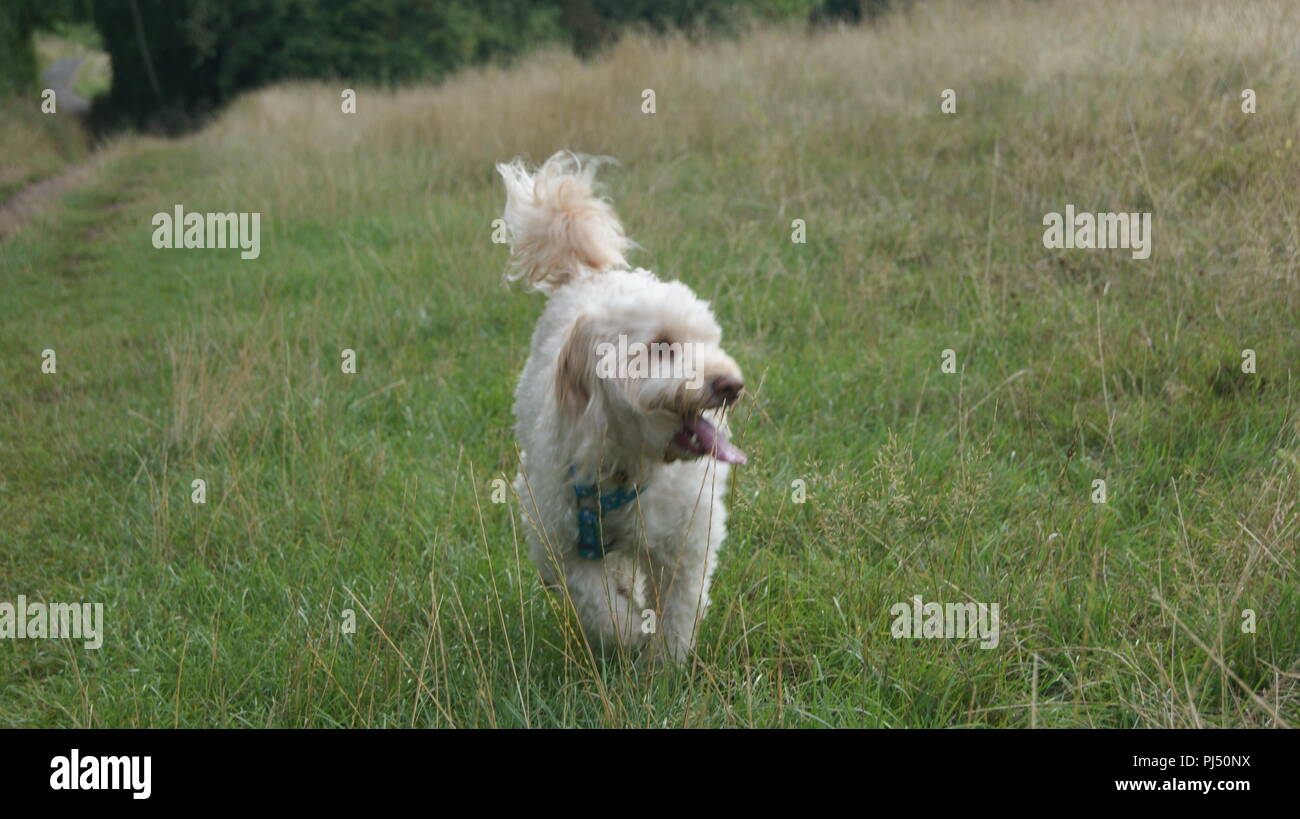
(60, 77)
(17, 209)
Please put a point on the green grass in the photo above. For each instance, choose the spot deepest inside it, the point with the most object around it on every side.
(372, 491)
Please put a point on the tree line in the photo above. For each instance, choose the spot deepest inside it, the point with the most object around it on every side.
(175, 60)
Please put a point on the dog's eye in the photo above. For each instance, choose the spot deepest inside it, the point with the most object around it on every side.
(662, 346)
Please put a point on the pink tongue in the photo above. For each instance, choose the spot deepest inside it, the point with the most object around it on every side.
(715, 443)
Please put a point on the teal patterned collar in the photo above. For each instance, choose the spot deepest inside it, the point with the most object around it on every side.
(592, 506)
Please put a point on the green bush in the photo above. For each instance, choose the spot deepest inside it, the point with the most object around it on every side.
(17, 54)
(179, 58)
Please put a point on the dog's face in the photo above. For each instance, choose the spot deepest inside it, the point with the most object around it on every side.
(648, 367)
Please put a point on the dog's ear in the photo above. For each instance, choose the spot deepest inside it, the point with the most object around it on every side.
(573, 370)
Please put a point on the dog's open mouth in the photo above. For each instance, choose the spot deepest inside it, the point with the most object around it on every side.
(701, 437)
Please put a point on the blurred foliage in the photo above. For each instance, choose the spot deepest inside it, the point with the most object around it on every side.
(175, 60)
(18, 20)
(17, 57)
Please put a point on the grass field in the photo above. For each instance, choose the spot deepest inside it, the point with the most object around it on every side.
(372, 491)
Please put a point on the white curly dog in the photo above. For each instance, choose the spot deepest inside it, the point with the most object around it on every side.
(620, 412)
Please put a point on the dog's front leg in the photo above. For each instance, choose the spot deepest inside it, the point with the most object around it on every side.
(609, 596)
(682, 597)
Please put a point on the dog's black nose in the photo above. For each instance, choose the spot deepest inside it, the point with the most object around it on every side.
(727, 387)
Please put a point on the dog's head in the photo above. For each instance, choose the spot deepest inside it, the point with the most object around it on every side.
(643, 366)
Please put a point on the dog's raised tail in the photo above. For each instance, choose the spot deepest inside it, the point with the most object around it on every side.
(558, 225)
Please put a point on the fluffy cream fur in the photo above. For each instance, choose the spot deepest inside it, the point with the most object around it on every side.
(665, 435)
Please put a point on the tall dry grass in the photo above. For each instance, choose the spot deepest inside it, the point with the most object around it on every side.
(775, 98)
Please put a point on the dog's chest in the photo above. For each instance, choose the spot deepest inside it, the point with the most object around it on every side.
(662, 517)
